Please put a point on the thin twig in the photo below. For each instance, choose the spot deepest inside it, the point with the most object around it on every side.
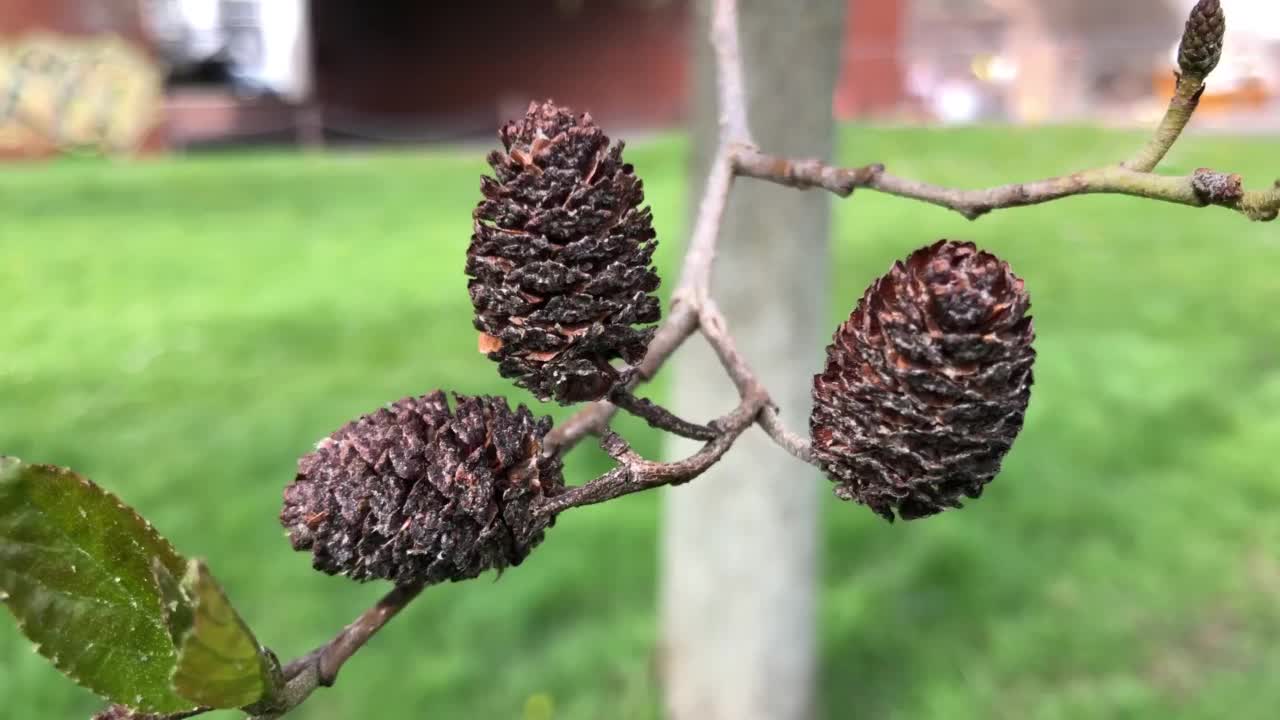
(320, 667)
(798, 446)
(1183, 104)
(716, 331)
(802, 174)
(354, 636)
(635, 474)
(297, 690)
(1191, 190)
(594, 418)
(659, 417)
(695, 280)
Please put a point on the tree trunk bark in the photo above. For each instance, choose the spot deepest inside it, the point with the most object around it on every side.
(740, 546)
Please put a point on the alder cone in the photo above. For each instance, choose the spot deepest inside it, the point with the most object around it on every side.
(1201, 46)
(561, 258)
(926, 385)
(416, 493)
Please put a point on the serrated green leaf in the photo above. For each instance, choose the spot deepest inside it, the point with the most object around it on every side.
(220, 663)
(76, 571)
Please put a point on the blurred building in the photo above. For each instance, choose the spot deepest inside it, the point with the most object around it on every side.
(77, 75)
(407, 70)
(404, 70)
(261, 46)
(84, 72)
(238, 70)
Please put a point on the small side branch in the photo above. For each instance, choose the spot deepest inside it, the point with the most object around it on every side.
(797, 445)
(1186, 98)
(320, 667)
(594, 418)
(716, 331)
(659, 417)
(1133, 177)
(1203, 188)
(695, 280)
(354, 636)
(635, 474)
(802, 174)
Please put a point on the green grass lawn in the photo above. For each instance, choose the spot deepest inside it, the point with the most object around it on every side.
(182, 330)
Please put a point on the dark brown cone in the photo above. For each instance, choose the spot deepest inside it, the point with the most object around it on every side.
(561, 258)
(1201, 47)
(926, 384)
(415, 493)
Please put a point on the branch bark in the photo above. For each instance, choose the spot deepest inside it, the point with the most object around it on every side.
(659, 417)
(1193, 190)
(635, 474)
(1186, 98)
(320, 667)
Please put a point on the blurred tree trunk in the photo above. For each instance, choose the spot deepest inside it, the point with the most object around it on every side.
(740, 545)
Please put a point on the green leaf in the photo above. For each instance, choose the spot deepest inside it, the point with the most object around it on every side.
(220, 664)
(178, 609)
(76, 571)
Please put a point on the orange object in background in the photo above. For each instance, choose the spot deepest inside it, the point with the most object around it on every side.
(1248, 94)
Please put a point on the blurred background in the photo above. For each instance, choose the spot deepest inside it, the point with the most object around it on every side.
(228, 226)
(159, 75)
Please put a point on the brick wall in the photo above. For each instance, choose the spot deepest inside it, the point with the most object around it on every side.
(871, 81)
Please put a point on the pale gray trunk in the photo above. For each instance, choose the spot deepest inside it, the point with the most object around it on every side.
(739, 574)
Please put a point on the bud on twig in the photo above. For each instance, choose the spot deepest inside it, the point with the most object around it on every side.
(926, 384)
(1201, 47)
(561, 258)
(415, 493)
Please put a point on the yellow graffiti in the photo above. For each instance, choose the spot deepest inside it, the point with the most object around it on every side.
(74, 92)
